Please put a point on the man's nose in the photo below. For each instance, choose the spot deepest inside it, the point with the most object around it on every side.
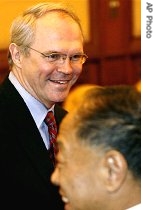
(66, 66)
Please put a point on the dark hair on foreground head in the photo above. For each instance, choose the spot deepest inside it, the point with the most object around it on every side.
(112, 115)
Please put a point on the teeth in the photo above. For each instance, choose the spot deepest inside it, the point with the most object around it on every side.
(61, 82)
(65, 200)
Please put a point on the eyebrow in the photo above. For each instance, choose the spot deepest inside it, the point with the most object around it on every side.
(50, 52)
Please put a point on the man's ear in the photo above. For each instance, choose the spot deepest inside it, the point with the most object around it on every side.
(116, 170)
(15, 53)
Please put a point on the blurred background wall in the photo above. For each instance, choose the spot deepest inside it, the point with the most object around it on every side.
(112, 30)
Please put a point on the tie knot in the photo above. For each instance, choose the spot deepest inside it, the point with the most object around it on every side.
(49, 118)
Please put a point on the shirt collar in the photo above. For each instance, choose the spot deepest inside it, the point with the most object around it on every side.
(37, 109)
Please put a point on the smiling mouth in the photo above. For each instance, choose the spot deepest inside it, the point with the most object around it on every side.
(60, 81)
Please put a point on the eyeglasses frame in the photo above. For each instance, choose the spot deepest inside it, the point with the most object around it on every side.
(63, 56)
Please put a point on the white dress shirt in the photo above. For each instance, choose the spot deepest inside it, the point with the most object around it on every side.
(36, 108)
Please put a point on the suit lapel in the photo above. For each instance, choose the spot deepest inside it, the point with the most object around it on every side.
(28, 135)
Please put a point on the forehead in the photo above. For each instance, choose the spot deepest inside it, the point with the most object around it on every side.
(67, 137)
(67, 134)
(72, 146)
(56, 21)
(54, 27)
(72, 150)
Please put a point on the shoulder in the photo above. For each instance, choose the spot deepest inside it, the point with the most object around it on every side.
(59, 113)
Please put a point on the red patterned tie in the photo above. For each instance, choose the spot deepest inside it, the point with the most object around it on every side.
(52, 129)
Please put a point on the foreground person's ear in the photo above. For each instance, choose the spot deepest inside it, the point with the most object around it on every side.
(116, 170)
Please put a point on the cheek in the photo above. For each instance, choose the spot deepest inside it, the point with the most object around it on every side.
(80, 191)
(80, 182)
(76, 73)
(36, 66)
(86, 178)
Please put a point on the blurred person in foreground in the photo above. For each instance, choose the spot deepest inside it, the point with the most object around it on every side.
(46, 58)
(75, 96)
(99, 151)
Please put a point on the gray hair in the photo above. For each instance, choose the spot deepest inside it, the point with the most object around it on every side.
(22, 31)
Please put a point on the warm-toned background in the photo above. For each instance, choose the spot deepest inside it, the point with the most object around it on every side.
(112, 30)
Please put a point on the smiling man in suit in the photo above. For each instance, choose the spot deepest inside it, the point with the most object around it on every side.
(46, 57)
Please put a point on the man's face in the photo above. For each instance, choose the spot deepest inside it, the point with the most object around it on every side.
(78, 171)
(47, 81)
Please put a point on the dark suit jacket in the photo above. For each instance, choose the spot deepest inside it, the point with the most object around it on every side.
(25, 167)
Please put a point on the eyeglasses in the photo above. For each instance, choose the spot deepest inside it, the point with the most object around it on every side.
(59, 58)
